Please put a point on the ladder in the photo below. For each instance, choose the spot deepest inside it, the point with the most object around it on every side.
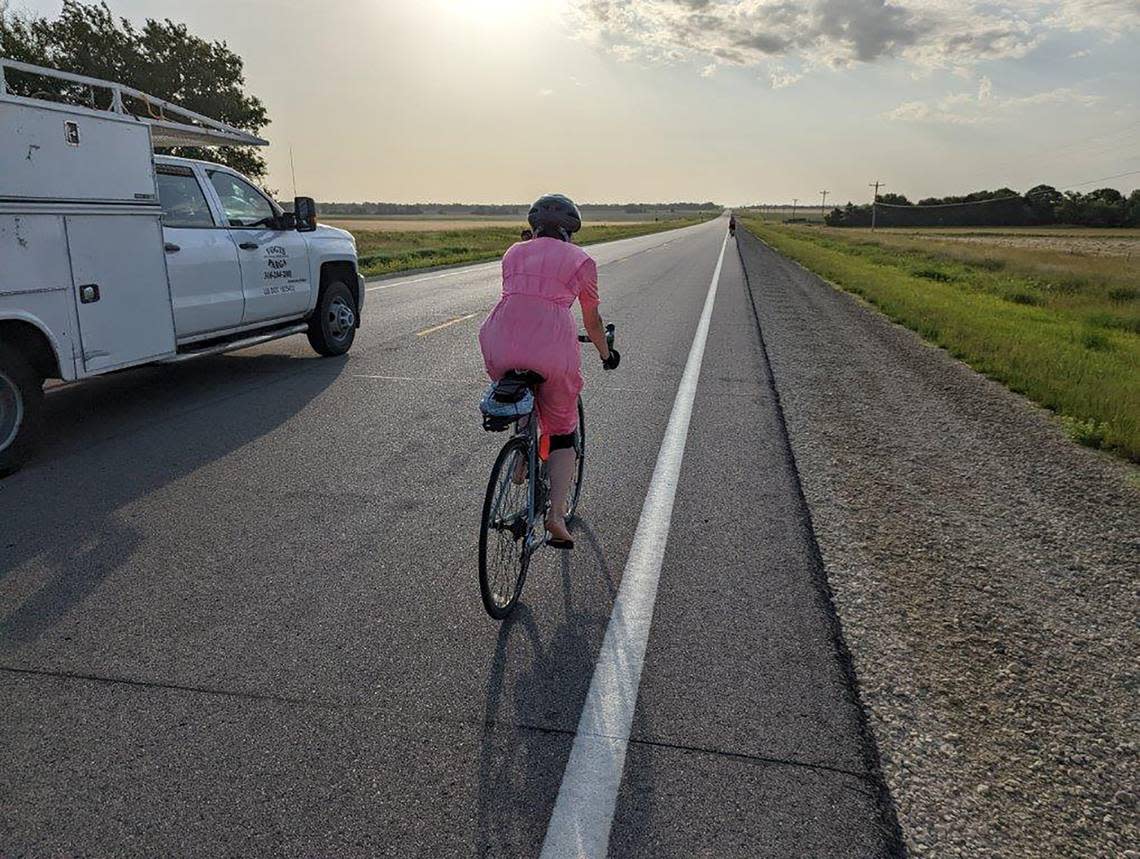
(170, 124)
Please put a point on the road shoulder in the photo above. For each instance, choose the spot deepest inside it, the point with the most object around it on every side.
(979, 564)
(748, 736)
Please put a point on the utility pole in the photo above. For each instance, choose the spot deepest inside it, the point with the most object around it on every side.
(876, 185)
(794, 201)
(823, 203)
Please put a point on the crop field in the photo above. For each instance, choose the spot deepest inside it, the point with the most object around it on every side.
(782, 213)
(383, 251)
(1079, 241)
(1058, 326)
(432, 224)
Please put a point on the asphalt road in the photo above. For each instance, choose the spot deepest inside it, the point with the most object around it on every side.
(239, 610)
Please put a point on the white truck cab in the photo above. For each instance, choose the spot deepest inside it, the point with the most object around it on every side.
(112, 256)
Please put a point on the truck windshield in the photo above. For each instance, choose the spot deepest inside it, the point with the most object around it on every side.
(243, 204)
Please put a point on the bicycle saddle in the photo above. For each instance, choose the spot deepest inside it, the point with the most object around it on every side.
(515, 385)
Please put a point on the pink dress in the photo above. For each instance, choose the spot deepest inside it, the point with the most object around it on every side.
(533, 328)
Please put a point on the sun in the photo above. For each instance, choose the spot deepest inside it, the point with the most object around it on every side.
(494, 13)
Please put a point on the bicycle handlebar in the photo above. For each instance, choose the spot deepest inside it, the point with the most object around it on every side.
(585, 338)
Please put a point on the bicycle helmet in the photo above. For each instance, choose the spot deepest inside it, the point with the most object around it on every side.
(554, 215)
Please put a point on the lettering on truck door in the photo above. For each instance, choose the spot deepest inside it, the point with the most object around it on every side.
(274, 262)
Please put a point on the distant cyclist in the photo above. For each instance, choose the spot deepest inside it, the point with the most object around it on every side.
(532, 328)
(732, 225)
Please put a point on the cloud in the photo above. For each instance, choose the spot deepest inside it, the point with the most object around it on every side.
(952, 34)
(779, 77)
(1111, 16)
(967, 108)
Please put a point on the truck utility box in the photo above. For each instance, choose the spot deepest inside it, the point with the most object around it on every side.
(112, 256)
(53, 153)
(75, 191)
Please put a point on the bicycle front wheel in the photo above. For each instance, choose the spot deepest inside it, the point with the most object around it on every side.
(504, 530)
(579, 462)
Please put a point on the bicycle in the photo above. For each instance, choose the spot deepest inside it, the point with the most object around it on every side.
(512, 528)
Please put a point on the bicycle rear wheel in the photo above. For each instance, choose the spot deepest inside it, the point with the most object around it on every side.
(579, 462)
(503, 532)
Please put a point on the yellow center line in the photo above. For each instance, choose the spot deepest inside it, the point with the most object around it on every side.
(446, 324)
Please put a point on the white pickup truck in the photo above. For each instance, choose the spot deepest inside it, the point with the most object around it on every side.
(112, 256)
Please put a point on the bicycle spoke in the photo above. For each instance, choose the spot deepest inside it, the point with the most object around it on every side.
(504, 555)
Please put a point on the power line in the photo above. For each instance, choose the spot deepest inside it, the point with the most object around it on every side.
(1102, 179)
(823, 202)
(946, 205)
(1081, 143)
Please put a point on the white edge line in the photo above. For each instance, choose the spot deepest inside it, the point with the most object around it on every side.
(583, 813)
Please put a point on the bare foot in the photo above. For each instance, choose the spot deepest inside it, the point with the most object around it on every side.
(558, 530)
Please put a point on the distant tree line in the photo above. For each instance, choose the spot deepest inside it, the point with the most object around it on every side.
(1004, 207)
(518, 210)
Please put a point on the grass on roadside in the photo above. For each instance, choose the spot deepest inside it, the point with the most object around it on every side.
(1063, 331)
(383, 252)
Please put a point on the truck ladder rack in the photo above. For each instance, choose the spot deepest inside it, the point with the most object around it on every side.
(181, 127)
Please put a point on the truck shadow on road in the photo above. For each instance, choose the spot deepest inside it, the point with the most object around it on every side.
(535, 691)
(114, 440)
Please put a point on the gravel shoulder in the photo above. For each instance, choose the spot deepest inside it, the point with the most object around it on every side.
(985, 573)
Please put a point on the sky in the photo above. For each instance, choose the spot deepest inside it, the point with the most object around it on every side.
(736, 101)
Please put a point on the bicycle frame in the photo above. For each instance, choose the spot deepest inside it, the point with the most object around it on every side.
(536, 480)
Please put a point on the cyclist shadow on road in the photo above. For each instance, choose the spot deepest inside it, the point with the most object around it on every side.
(535, 690)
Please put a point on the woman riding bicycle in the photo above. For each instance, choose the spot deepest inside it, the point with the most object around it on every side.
(532, 328)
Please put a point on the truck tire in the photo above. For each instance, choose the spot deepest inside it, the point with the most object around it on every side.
(332, 327)
(21, 403)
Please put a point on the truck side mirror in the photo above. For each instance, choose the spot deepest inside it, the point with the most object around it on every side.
(305, 211)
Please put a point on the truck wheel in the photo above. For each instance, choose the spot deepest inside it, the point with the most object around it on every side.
(332, 327)
(21, 401)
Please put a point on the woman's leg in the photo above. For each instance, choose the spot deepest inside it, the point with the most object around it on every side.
(558, 416)
(560, 467)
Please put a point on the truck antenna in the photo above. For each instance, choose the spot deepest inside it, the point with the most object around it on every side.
(293, 169)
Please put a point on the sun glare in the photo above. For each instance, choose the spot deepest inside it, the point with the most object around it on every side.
(494, 13)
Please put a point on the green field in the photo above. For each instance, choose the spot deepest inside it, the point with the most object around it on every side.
(1061, 328)
(386, 251)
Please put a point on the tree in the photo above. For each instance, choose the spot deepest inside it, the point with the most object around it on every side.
(894, 200)
(1044, 201)
(1107, 195)
(163, 59)
(1134, 208)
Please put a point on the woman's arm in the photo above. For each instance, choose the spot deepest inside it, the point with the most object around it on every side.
(596, 330)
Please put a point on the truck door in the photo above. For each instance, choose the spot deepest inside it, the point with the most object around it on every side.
(202, 260)
(120, 289)
(274, 262)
